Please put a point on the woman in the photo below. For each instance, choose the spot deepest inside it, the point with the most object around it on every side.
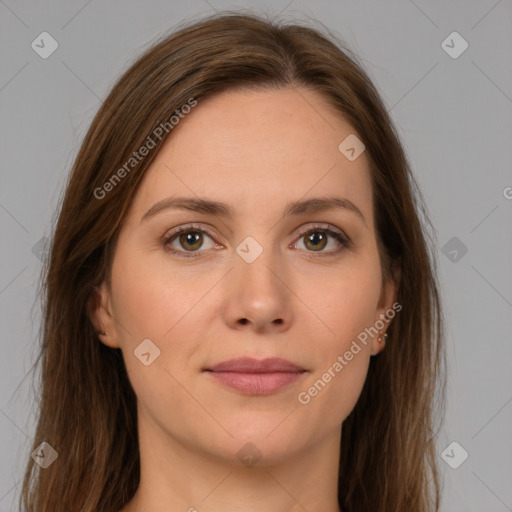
(241, 307)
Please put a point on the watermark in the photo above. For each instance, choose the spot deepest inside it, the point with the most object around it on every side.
(146, 352)
(44, 45)
(44, 454)
(454, 45)
(249, 454)
(454, 249)
(147, 146)
(304, 397)
(454, 455)
(351, 147)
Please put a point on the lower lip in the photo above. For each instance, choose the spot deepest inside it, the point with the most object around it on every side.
(256, 383)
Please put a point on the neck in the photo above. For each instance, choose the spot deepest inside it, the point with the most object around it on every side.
(176, 476)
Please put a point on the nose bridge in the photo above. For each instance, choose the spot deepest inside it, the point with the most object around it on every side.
(257, 262)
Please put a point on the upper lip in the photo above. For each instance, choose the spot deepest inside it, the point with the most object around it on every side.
(250, 365)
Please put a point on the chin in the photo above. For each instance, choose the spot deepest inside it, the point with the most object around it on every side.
(258, 443)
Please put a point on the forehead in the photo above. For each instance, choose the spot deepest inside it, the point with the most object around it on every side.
(255, 150)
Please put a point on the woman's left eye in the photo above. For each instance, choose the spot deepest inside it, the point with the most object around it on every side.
(315, 239)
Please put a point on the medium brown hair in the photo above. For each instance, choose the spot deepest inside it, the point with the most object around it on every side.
(87, 408)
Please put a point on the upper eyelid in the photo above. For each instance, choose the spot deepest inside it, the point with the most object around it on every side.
(325, 226)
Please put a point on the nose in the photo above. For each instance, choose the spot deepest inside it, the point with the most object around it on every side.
(258, 296)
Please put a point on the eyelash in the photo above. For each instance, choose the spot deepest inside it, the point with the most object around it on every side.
(339, 236)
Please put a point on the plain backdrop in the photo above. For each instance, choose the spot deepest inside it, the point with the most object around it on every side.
(453, 109)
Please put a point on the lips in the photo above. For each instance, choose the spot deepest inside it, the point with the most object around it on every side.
(256, 377)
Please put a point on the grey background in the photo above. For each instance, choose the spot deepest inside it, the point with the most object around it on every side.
(454, 117)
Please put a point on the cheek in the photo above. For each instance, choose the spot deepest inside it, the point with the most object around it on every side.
(337, 391)
(334, 388)
(346, 305)
(149, 300)
(153, 301)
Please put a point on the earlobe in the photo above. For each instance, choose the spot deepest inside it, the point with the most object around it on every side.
(101, 317)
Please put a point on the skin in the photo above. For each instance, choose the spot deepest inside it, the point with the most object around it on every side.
(255, 151)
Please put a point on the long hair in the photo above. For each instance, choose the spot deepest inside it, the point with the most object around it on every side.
(87, 408)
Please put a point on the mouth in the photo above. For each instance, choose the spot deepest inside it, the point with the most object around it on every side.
(256, 377)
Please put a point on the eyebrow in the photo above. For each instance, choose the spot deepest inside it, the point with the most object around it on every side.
(208, 206)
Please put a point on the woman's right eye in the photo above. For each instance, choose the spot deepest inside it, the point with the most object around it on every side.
(189, 239)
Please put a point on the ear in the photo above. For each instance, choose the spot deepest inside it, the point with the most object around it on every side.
(387, 299)
(99, 311)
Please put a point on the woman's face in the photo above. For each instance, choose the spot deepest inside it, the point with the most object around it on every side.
(248, 280)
